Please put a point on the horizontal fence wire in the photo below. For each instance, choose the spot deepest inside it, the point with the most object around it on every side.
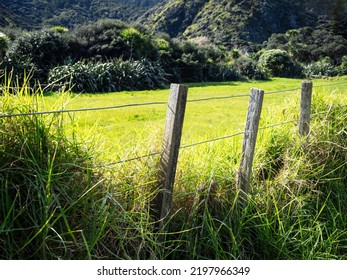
(218, 97)
(328, 85)
(211, 140)
(148, 103)
(165, 103)
(282, 91)
(129, 159)
(195, 144)
(81, 109)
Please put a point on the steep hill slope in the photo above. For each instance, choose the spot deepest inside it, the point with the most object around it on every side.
(233, 22)
(35, 13)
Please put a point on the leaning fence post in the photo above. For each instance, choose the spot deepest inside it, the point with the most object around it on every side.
(305, 108)
(249, 140)
(161, 205)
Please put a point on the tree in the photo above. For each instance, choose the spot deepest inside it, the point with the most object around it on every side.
(4, 41)
(40, 50)
(339, 18)
(279, 63)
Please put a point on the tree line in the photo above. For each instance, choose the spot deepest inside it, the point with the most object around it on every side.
(110, 55)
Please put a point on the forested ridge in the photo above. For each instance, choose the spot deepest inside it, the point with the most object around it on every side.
(38, 13)
(235, 22)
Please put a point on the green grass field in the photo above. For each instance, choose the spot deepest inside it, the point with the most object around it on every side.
(123, 131)
(59, 201)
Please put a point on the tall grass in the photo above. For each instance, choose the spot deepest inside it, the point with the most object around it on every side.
(56, 202)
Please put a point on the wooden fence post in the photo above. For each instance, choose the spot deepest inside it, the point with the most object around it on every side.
(249, 140)
(305, 108)
(161, 204)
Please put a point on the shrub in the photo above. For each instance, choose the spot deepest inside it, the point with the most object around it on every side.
(343, 66)
(111, 39)
(279, 64)
(323, 67)
(98, 39)
(307, 45)
(60, 29)
(4, 42)
(249, 68)
(139, 45)
(222, 73)
(40, 50)
(115, 75)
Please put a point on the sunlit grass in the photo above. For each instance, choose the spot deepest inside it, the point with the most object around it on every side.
(60, 200)
(136, 126)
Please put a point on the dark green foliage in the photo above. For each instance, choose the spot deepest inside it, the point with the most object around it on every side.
(222, 73)
(109, 39)
(4, 42)
(323, 67)
(343, 67)
(339, 18)
(306, 44)
(116, 75)
(39, 50)
(234, 22)
(69, 13)
(250, 69)
(279, 64)
(194, 61)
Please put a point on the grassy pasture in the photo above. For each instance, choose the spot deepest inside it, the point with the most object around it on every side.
(56, 203)
(122, 132)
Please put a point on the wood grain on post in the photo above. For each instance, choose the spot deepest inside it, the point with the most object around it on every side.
(249, 140)
(161, 205)
(305, 108)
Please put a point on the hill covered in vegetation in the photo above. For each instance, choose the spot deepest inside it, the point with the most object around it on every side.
(178, 41)
(223, 22)
(38, 13)
(236, 22)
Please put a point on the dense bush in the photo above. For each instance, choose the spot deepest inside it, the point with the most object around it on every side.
(279, 64)
(40, 50)
(194, 61)
(4, 42)
(111, 39)
(222, 73)
(343, 67)
(307, 45)
(115, 75)
(323, 67)
(250, 69)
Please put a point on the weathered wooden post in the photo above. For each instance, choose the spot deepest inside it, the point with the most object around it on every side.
(249, 140)
(305, 108)
(161, 204)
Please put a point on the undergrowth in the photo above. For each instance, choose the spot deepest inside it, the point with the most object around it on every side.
(58, 203)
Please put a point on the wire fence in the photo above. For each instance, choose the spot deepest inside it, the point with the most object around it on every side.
(4, 115)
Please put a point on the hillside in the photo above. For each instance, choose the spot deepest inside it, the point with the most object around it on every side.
(37, 13)
(234, 22)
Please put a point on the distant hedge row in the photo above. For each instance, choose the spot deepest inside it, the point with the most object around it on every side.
(110, 55)
(115, 75)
